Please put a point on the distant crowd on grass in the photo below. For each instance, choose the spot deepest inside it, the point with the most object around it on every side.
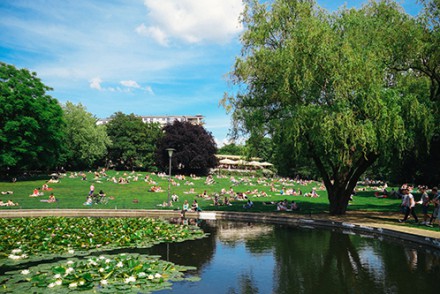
(241, 189)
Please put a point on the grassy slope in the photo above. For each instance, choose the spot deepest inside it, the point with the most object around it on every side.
(72, 193)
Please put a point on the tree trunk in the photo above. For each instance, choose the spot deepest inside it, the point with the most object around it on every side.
(338, 198)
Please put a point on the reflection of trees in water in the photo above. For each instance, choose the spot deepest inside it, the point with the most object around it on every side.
(409, 269)
(324, 262)
(258, 238)
(190, 253)
(247, 284)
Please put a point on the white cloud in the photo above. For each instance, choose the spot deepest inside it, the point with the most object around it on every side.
(130, 84)
(95, 83)
(154, 32)
(149, 90)
(192, 21)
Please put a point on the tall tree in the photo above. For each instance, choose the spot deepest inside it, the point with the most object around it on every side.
(86, 142)
(133, 141)
(31, 122)
(326, 83)
(232, 149)
(195, 149)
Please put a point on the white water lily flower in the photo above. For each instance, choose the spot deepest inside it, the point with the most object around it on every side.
(120, 264)
(130, 279)
(69, 270)
(157, 276)
(57, 276)
(102, 257)
(142, 274)
(107, 260)
(70, 262)
(150, 277)
(103, 282)
(58, 282)
(101, 270)
(81, 283)
(14, 257)
(15, 251)
(71, 251)
(73, 285)
(25, 272)
(51, 285)
(24, 256)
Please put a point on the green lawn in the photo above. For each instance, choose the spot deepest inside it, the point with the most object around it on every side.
(72, 193)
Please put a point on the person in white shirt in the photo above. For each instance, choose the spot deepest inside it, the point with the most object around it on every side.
(408, 204)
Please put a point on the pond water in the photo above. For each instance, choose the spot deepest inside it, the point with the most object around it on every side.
(259, 258)
(240, 257)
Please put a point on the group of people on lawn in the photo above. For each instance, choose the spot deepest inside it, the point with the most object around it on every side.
(408, 205)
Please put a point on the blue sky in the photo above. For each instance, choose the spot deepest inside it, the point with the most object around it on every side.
(147, 57)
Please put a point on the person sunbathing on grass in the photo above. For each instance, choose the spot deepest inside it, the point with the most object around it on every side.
(282, 205)
(191, 191)
(36, 193)
(11, 203)
(155, 189)
(89, 201)
(51, 199)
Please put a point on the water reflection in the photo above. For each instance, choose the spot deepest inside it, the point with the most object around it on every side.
(258, 258)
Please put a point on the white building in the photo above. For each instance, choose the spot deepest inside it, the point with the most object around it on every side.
(164, 119)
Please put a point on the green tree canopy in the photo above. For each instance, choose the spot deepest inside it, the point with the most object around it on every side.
(31, 122)
(86, 142)
(195, 149)
(232, 149)
(133, 141)
(328, 85)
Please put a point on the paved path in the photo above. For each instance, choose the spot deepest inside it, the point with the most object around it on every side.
(382, 222)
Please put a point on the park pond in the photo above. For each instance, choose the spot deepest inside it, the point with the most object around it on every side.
(238, 257)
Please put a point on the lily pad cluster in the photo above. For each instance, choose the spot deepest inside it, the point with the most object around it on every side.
(26, 238)
(105, 274)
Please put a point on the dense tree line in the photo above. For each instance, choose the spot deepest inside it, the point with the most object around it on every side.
(37, 133)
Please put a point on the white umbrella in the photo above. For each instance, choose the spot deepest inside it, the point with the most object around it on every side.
(265, 164)
(227, 161)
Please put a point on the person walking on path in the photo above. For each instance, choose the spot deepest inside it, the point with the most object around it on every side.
(424, 200)
(436, 201)
(408, 204)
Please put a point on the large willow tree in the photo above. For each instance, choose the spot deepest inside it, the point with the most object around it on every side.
(327, 84)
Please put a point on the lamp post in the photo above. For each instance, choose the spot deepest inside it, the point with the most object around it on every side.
(170, 155)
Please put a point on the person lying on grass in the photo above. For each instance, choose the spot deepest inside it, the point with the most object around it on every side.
(51, 199)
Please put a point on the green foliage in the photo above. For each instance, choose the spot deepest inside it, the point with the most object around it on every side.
(327, 84)
(231, 149)
(133, 141)
(31, 123)
(261, 147)
(195, 149)
(85, 141)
